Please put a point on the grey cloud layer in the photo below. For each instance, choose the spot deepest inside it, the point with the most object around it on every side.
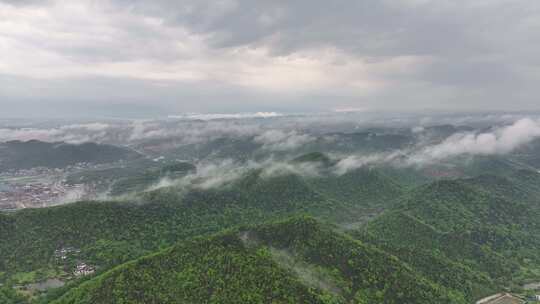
(274, 131)
(278, 138)
(114, 56)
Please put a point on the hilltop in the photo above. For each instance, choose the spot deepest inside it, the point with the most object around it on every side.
(294, 261)
(452, 240)
(483, 238)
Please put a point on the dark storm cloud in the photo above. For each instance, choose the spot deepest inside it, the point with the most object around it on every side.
(368, 28)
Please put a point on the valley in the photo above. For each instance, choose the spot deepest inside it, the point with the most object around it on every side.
(269, 152)
(304, 226)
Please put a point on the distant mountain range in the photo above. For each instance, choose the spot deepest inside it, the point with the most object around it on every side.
(446, 232)
(29, 154)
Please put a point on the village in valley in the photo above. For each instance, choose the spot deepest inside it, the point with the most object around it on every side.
(42, 187)
(529, 295)
(68, 266)
(66, 255)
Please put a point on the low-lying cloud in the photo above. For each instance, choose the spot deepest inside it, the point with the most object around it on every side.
(290, 134)
(278, 140)
(219, 173)
(353, 162)
(201, 116)
(499, 141)
(72, 133)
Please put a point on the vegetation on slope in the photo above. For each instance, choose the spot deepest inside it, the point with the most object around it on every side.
(111, 232)
(361, 187)
(241, 266)
(10, 296)
(455, 241)
(484, 239)
(141, 181)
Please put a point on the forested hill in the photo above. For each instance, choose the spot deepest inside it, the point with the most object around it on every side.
(126, 229)
(296, 261)
(360, 187)
(482, 238)
(34, 153)
(450, 240)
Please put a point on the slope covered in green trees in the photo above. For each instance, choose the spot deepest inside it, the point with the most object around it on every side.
(111, 232)
(141, 181)
(483, 238)
(296, 261)
(10, 296)
(449, 240)
(360, 187)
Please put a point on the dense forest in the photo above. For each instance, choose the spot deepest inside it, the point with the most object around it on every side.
(296, 261)
(376, 235)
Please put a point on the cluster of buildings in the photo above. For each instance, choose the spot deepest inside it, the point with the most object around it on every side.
(502, 298)
(39, 194)
(36, 171)
(507, 298)
(81, 268)
(40, 187)
(63, 253)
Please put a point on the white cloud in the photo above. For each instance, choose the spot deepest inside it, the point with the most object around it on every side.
(307, 169)
(500, 141)
(212, 116)
(279, 140)
(25, 134)
(220, 173)
(71, 133)
(89, 39)
(95, 126)
(213, 174)
(353, 162)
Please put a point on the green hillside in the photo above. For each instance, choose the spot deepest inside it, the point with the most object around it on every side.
(141, 181)
(361, 187)
(448, 259)
(448, 241)
(519, 185)
(314, 157)
(484, 239)
(10, 296)
(111, 232)
(296, 261)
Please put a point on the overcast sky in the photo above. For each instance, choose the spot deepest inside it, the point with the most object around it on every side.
(159, 57)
